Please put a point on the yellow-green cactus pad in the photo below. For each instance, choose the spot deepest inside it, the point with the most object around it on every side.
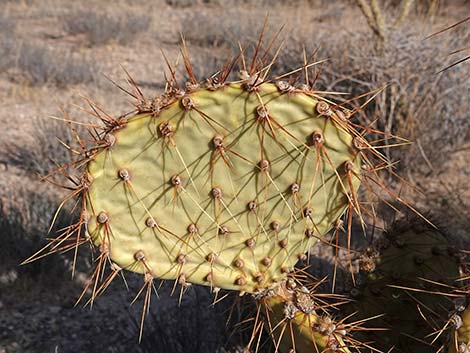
(460, 337)
(225, 186)
(299, 323)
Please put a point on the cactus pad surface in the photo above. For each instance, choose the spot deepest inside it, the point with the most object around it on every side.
(223, 187)
(299, 322)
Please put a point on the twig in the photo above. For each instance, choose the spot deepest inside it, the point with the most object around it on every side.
(405, 11)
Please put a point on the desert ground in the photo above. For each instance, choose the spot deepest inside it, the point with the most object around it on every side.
(55, 55)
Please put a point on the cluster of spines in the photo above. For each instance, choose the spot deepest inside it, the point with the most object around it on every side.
(299, 319)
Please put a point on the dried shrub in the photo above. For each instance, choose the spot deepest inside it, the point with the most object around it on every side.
(41, 152)
(195, 325)
(181, 3)
(211, 31)
(7, 24)
(101, 28)
(7, 49)
(28, 206)
(419, 104)
(26, 210)
(205, 31)
(425, 107)
(7, 43)
(42, 65)
(227, 3)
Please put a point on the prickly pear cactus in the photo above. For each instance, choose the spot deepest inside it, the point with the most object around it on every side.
(298, 322)
(405, 279)
(459, 341)
(224, 184)
(223, 187)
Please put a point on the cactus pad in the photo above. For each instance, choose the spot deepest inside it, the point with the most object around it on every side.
(298, 321)
(460, 339)
(224, 186)
(403, 282)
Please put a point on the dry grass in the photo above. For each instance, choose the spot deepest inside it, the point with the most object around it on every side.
(209, 31)
(169, 329)
(36, 65)
(27, 205)
(25, 215)
(418, 103)
(42, 151)
(40, 65)
(7, 46)
(6, 23)
(181, 3)
(234, 3)
(102, 28)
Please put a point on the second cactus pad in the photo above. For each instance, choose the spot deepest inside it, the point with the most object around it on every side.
(224, 187)
(405, 281)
